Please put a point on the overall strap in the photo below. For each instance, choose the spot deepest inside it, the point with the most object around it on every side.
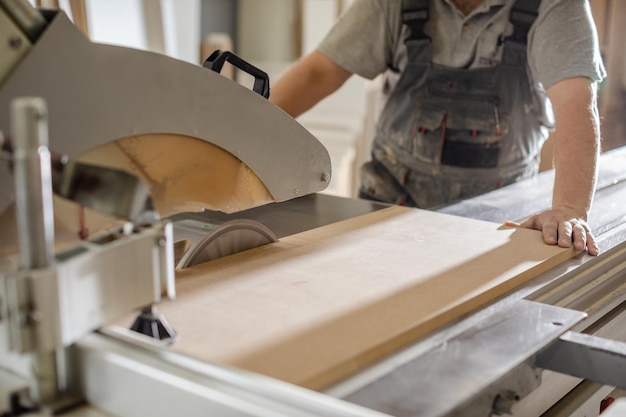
(523, 15)
(415, 14)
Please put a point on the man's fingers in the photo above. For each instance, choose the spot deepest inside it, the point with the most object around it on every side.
(550, 232)
(587, 239)
(592, 245)
(577, 232)
(565, 234)
(579, 236)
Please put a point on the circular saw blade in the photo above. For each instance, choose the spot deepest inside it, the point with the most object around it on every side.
(227, 239)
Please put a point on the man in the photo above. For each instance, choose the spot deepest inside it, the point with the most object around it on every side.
(466, 111)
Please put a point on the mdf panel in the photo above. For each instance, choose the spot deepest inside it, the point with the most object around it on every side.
(317, 306)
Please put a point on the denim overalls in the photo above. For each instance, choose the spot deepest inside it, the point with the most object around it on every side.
(447, 134)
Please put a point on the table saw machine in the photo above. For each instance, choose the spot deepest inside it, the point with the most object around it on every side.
(167, 167)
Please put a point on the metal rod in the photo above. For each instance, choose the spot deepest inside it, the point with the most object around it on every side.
(35, 216)
(33, 182)
(25, 16)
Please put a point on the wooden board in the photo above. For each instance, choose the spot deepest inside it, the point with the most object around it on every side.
(321, 304)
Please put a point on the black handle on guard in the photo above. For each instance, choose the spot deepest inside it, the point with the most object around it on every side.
(217, 59)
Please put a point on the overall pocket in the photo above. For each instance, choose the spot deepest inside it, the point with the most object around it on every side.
(470, 149)
(460, 130)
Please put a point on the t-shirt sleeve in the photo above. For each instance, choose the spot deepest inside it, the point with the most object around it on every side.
(563, 43)
(363, 38)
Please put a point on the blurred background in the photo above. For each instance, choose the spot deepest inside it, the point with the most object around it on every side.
(272, 34)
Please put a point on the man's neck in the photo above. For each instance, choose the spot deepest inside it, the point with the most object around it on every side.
(467, 6)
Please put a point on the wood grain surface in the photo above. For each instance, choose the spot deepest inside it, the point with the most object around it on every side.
(316, 306)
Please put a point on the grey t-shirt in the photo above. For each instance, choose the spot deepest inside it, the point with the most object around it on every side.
(369, 37)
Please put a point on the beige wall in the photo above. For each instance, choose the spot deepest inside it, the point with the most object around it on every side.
(281, 30)
(266, 30)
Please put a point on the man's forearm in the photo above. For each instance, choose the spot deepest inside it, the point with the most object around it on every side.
(308, 81)
(577, 144)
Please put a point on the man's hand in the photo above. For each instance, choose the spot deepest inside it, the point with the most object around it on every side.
(564, 227)
(576, 149)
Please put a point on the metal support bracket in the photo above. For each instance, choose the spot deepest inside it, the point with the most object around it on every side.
(31, 309)
(589, 357)
(480, 371)
(89, 284)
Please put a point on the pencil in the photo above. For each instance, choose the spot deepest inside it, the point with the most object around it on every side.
(510, 223)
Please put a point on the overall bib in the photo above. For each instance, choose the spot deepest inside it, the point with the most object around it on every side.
(447, 134)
